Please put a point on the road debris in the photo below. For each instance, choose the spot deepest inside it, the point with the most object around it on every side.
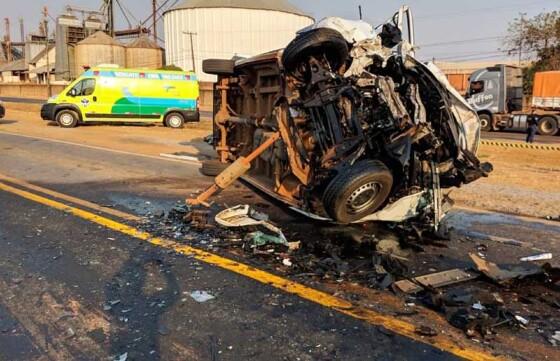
(434, 280)
(426, 331)
(538, 257)
(501, 275)
(245, 216)
(201, 296)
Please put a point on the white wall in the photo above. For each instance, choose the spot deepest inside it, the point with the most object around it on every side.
(225, 32)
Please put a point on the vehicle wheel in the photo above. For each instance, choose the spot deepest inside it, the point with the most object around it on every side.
(315, 42)
(174, 120)
(548, 126)
(485, 122)
(358, 191)
(67, 118)
(218, 66)
(212, 168)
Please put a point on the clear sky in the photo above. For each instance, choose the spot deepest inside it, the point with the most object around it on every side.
(469, 30)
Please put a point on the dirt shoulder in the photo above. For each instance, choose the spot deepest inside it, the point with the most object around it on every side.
(524, 182)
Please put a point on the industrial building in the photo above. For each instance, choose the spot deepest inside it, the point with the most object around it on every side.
(200, 29)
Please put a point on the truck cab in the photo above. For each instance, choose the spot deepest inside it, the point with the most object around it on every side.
(495, 92)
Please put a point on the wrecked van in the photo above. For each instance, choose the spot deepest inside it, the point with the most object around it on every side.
(367, 131)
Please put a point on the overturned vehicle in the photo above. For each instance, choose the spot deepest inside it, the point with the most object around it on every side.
(366, 132)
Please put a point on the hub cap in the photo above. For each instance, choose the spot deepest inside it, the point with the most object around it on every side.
(362, 198)
(174, 121)
(546, 126)
(67, 119)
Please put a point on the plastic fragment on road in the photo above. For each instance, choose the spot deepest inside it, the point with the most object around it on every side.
(259, 239)
(245, 216)
(122, 357)
(538, 257)
(434, 280)
(521, 320)
(201, 296)
(503, 274)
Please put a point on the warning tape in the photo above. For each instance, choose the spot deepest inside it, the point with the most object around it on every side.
(520, 145)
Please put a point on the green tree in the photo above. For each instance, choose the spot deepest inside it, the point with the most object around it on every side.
(171, 67)
(536, 39)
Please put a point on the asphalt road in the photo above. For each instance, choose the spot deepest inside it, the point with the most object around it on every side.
(519, 136)
(72, 289)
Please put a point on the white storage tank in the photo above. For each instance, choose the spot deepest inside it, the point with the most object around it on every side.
(99, 48)
(221, 29)
(144, 53)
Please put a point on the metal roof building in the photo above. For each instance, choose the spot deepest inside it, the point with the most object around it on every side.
(225, 28)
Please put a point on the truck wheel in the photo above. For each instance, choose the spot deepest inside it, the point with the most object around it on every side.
(218, 66)
(357, 191)
(67, 118)
(548, 126)
(174, 120)
(485, 122)
(212, 168)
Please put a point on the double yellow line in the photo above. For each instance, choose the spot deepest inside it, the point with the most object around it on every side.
(445, 343)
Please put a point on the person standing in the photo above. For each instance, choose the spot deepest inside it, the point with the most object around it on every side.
(531, 129)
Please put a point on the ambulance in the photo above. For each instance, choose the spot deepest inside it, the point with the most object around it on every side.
(127, 95)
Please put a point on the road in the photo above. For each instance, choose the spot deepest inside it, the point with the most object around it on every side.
(519, 136)
(80, 281)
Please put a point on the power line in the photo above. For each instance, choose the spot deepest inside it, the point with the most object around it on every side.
(462, 41)
(479, 10)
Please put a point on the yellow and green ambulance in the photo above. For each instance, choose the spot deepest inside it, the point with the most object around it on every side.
(126, 95)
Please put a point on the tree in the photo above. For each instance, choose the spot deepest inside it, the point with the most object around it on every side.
(536, 39)
(171, 67)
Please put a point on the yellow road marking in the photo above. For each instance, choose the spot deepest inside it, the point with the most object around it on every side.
(81, 202)
(400, 327)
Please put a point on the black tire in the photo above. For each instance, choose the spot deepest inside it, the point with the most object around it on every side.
(67, 118)
(318, 41)
(174, 120)
(548, 126)
(485, 122)
(357, 191)
(218, 66)
(212, 168)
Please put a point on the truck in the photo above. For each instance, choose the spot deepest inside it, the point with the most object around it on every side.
(496, 93)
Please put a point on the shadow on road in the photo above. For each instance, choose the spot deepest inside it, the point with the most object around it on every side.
(137, 297)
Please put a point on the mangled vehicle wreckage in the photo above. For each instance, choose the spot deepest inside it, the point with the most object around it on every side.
(348, 125)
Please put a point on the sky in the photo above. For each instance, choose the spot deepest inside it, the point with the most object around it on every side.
(447, 30)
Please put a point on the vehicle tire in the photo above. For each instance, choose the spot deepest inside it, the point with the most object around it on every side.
(357, 191)
(174, 120)
(548, 126)
(319, 41)
(485, 122)
(212, 168)
(218, 66)
(67, 118)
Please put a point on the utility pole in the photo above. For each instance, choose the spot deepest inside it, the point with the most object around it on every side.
(22, 34)
(360, 10)
(191, 34)
(154, 16)
(110, 17)
(46, 27)
(521, 37)
(8, 40)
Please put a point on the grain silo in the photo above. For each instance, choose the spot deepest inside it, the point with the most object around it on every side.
(225, 28)
(99, 48)
(144, 53)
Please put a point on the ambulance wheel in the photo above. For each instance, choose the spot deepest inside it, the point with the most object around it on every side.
(174, 120)
(212, 168)
(67, 118)
(357, 191)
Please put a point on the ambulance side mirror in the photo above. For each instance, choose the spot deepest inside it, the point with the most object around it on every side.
(72, 92)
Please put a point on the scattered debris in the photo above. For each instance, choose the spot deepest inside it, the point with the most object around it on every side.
(201, 296)
(259, 239)
(538, 257)
(501, 275)
(286, 262)
(122, 357)
(522, 320)
(434, 280)
(426, 331)
(245, 216)
(555, 339)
